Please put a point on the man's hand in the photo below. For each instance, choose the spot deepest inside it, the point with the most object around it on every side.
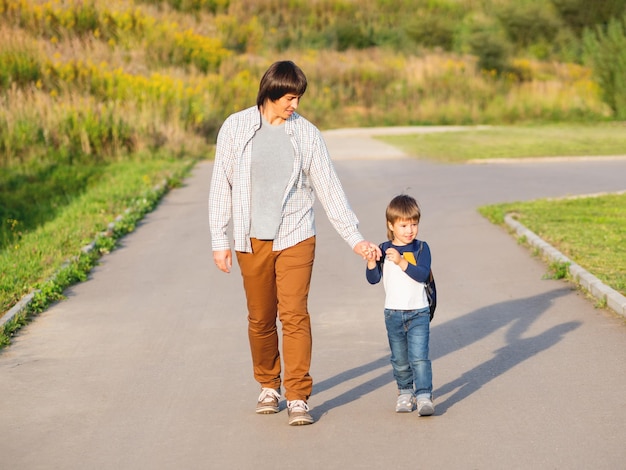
(367, 250)
(223, 260)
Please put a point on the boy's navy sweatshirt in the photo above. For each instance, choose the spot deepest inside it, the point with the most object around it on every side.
(419, 271)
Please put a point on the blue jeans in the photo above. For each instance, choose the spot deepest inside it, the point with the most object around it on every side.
(408, 332)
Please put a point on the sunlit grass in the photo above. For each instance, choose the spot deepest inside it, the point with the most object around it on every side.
(591, 231)
(35, 255)
(516, 142)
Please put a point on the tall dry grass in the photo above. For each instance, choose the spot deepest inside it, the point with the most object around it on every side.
(86, 79)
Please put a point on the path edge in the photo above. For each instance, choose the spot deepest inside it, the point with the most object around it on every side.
(20, 309)
(591, 284)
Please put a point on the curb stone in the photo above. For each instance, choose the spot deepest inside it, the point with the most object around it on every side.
(22, 305)
(614, 300)
(25, 301)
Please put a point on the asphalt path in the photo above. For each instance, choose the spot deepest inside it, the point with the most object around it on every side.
(146, 365)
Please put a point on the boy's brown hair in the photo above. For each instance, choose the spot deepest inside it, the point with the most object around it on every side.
(402, 207)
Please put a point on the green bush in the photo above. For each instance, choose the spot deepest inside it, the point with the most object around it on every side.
(351, 35)
(528, 23)
(432, 29)
(193, 6)
(581, 14)
(492, 49)
(605, 52)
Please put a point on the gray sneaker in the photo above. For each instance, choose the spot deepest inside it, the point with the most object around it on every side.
(298, 413)
(425, 406)
(405, 403)
(268, 402)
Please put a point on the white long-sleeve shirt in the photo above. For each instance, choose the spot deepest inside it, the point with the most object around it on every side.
(313, 174)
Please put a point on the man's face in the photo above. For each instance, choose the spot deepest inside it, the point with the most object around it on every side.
(284, 106)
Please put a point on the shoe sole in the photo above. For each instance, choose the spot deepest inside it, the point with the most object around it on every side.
(404, 410)
(300, 421)
(267, 410)
(427, 410)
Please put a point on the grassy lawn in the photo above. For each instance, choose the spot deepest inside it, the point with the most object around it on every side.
(128, 189)
(516, 142)
(590, 231)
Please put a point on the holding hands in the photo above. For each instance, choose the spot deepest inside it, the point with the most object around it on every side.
(391, 254)
(368, 251)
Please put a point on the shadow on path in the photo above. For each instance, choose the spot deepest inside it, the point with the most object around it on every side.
(356, 392)
(505, 359)
(516, 315)
(457, 334)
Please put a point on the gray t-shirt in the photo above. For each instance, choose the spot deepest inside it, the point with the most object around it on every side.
(270, 170)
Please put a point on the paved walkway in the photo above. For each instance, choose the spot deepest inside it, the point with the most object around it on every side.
(146, 365)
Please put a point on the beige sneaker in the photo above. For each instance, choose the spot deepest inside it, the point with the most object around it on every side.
(268, 402)
(405, 403)
(298, 413)
(425, 406)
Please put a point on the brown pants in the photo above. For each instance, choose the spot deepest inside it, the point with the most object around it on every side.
(277, 286)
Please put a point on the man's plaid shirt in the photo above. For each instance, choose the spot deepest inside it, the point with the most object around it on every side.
(312, 171)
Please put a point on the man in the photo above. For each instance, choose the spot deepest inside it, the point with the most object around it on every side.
(268, 163)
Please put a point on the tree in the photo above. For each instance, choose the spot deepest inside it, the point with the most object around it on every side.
(581, 14)
(605, 52)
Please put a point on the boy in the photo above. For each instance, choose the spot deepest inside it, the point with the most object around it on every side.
(404, 268)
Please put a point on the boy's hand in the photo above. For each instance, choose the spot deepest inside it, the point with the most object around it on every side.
(393, 255)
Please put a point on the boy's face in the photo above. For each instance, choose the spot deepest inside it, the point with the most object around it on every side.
(404, 231)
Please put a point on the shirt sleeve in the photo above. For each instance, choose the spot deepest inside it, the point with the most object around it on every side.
(374, 276)
(421, 271)
(220, 193)
(330, 192)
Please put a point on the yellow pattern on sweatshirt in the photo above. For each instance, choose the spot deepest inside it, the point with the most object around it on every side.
(410, 257)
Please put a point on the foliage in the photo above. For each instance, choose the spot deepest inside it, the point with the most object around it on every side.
(492, 50)
(180, 74)
(432, 29)
(193, 6)
(605, 51)
(485, 37)
(530, 26)
(557, 270)
(581, 14)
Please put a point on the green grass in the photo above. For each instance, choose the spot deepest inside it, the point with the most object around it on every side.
(590, 231)
(516, 142)
(35, 255)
